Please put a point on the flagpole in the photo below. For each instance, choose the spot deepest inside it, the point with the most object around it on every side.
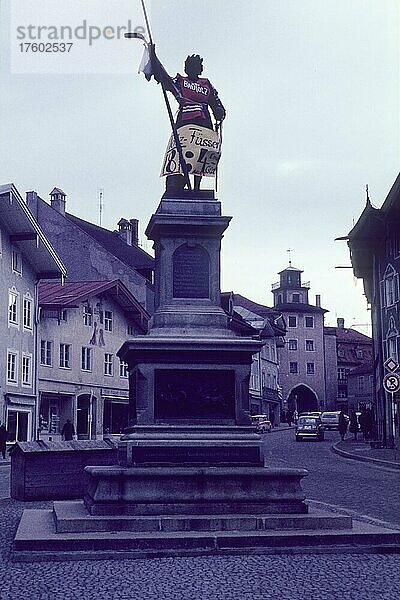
(168, 105)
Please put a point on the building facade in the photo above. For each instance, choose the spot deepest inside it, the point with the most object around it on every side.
(26, 257)
(263, 387)
(302, 358)
(374, 244)
(93, 253)
(82, 326)
(353, 351)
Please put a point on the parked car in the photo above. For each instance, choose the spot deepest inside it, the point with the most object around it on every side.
(330, 420)
(308, 428)
(262, 423)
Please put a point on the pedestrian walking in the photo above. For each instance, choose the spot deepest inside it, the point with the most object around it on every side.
(68, 431)
(353, 427)
(3, 440)
(342, 425)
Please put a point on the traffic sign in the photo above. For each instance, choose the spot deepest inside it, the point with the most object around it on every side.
(391, 383)
(390, 364)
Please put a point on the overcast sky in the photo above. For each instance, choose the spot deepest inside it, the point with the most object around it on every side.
(311, 89)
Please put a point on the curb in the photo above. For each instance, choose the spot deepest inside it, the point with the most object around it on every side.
(367, 459)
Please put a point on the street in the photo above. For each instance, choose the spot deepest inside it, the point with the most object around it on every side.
(356, 486)
(351, 484)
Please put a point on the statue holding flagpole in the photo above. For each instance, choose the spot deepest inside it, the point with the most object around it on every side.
(195, 145)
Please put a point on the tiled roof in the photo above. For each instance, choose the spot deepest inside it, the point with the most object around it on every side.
(364, 369)
(56, 295)
(133, 256)
(254, 307)
(274, 317)
(351, 336)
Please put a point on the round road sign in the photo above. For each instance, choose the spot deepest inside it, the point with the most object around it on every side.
(391, 382)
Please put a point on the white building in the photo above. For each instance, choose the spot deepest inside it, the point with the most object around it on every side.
(26, 257)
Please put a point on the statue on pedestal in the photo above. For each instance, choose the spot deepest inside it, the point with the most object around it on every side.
(195, 146)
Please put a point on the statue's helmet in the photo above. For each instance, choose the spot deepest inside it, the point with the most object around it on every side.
(194, 65)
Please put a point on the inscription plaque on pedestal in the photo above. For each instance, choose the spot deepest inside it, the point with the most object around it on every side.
(191, 272)
(194, 394)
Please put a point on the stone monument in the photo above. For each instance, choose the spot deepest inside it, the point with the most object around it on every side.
(189, 388)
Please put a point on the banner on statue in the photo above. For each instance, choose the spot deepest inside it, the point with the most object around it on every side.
(201, 149)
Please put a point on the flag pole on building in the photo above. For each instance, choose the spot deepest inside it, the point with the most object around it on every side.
(175, 134)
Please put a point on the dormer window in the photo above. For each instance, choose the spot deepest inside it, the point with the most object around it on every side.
(296, 298)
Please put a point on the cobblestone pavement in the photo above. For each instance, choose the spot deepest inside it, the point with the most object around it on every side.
(286, 577)
(351, 484)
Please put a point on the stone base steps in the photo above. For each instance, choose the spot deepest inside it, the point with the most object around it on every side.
(72, 517)
(37, 538)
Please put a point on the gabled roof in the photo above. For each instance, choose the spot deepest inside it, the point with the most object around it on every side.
(133, 256)
(348, 335)
(27, 236)
(256, 310)
(71, 294)
(364, 369)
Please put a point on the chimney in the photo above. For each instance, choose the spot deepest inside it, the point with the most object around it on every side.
(125, 231)
(340, 323)
(135, 231)
(318, 300)
(58, 200)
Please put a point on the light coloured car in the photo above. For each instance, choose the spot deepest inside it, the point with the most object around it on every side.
(262, 423)
(330, 420)
(309, 428)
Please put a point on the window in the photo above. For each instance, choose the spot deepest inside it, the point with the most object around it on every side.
(87, 316)
(131, 330)
(293, 368)
(63, 314)
(310, 368)
(13, 312)
(296, 298)
(28, 312)
(292, 321)
(309, 321)
(310, 345)
(86, 359)
(27, 369)
(359, 354)
(342, 393)
(16, 261)
(46, 353)
(292, 344)
(65, 356)
(342, 374)
(361, 383)
(341, 353)
(12, 367)
(390, 290)
(18, 425)
(108, 364)
(123, 369)
(108, 320)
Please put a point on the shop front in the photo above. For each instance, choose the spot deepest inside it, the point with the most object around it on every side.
(54, 410)
(116, 411)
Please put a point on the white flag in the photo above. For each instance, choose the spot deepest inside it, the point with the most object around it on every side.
(145, 66)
